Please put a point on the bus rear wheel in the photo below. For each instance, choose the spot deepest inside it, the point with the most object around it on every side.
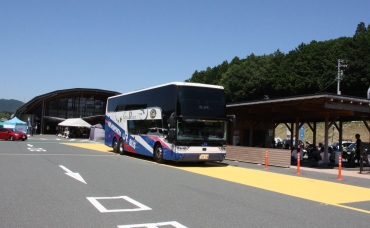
(115, 146)
(158, 154)
(121, 150)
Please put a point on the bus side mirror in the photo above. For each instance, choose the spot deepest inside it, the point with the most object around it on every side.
(171, 134)
(172, 120)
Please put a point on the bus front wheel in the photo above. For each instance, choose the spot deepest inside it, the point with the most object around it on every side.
(158, 154)
(121, 150)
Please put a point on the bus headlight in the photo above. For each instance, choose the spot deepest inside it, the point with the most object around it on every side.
(222, 148)
(182, 148)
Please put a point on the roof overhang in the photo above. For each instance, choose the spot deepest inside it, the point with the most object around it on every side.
(310, 108)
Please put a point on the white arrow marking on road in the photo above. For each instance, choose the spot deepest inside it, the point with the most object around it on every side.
(36, 149)
(76, 176)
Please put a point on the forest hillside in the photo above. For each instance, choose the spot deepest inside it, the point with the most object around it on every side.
(308, 69)
(312, 68)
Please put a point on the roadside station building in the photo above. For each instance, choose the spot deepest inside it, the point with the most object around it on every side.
(256, 121)
(49, 109)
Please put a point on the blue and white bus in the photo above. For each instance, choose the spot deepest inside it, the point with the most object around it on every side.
(178, 121)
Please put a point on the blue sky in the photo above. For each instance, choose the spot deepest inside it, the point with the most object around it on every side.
(123, 45)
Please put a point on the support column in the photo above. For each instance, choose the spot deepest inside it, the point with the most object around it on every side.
(326, 139)
(296, 133)
(340, 135)
(314, 134)
(251, 136)
(291, 134)
(42, 117)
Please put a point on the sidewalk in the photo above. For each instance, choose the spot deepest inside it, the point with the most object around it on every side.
(346, 172)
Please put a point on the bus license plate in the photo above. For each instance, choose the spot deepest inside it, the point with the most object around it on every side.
(203, 156)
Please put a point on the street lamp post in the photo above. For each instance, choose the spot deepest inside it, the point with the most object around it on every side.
(340, 74)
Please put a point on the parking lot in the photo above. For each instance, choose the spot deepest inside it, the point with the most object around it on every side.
(57, 182)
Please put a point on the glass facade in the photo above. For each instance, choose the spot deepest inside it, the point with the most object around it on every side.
(75, 107)
(48, 110)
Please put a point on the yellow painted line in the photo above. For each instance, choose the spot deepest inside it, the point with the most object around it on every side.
(305, 188)
(97, 147)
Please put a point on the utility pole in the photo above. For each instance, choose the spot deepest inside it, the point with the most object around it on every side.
(340, 73)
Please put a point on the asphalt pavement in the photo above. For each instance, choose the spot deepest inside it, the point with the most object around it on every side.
(344, 173)
(53, 181)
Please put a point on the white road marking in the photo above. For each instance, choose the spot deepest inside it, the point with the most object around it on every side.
(36, 149)
(102, 209)
(76, 176)
(29, 145)
(154, 225)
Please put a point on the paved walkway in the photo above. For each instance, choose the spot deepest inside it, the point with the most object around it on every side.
(349, 172)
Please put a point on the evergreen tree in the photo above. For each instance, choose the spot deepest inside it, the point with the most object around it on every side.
(308, 69)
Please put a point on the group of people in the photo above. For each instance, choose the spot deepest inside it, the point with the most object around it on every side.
(32, 129)
(64, 133)
(74, 132)
(317, 154)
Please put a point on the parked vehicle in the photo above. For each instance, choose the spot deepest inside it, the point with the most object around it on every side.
(9, 134)
(286, 143)
(346, 144)
(278, 143)
(335, 145)
(349, 152)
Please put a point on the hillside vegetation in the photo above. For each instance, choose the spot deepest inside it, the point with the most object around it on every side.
(9, 105)
(349, 131)
(308, 69)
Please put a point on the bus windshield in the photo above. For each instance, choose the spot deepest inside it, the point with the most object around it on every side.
(200, 102)
(198, 129)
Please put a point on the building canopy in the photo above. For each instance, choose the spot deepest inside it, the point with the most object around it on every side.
(16, 124)
(75, 122)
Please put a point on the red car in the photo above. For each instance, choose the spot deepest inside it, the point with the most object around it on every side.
(9, 134)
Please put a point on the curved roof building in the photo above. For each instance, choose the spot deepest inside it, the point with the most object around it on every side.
(49, 109)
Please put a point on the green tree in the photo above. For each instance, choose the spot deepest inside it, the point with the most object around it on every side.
(308, 69)
(6, 115)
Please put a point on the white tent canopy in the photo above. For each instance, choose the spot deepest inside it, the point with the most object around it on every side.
(97, 132)
(75, 122)
(16, 124)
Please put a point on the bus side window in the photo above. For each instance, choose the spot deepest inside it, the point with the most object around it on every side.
(131, 127)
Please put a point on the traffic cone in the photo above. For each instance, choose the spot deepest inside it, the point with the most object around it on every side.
(299, 163)
(340, 168)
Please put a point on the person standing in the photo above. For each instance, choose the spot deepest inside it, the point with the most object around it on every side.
(358, 146)
(301, 152)
(35, 128)
(293, 156)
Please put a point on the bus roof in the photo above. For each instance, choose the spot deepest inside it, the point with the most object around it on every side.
(174, 83)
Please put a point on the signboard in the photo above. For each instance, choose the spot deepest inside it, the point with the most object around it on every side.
(301, 132)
